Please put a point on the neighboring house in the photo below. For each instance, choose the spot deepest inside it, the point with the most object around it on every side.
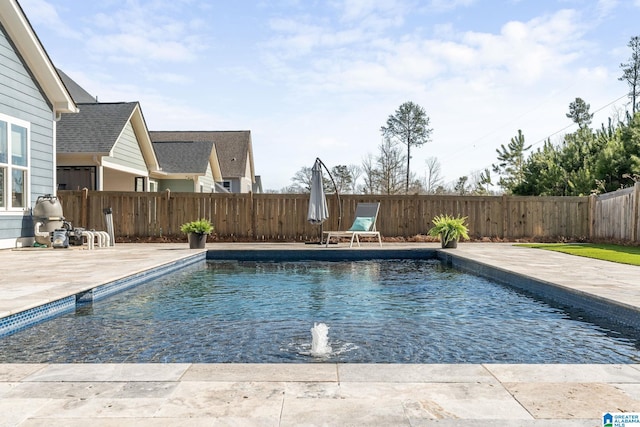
(77, 92)
(32, 98)
(234, 152)
(106, 147)
(189, 166)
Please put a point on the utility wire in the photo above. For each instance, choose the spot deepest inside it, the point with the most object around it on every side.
(480, 170)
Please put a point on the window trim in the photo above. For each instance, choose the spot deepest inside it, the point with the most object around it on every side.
(7, 185)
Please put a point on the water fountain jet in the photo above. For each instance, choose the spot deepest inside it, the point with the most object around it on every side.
(320, 340)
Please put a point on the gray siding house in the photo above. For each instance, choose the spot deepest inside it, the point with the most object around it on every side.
(106, 147)
(32, 99)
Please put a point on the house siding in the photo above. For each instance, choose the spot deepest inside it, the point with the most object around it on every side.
(206, 181)
(246, 182)
(21, 98)
(126, 151)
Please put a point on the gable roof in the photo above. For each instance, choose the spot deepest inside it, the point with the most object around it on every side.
(24, 38)
(181, 157)
(233, 148)
(77, 92)
(95, 129)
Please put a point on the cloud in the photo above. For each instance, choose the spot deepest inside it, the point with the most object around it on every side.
(445, 5)
(528, 51)
(133, 32)
(172, 78)
(605, 7)
(42, 13)
(138, 48)
(375, 14)
(319, 58)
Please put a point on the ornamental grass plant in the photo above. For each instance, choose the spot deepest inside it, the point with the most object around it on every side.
(449, 228)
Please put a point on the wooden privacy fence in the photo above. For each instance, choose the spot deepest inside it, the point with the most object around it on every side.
(615, 215)
(283, 217)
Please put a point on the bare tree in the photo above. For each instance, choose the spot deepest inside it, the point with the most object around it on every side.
(416, 186)
(301, 181)
(370, 175)
(434, 175)
(354, 172)
(342, 178)
(390, 164)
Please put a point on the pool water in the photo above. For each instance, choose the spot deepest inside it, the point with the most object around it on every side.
(379, 311)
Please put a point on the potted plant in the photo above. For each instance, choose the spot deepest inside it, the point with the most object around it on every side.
(197, 232)
(449, 229)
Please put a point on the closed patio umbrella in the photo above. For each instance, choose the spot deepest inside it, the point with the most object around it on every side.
(318, 211)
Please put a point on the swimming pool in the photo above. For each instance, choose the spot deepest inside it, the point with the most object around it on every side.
(378, 311)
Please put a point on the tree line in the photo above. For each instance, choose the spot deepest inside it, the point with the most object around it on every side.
(583, 162)
(587, 161)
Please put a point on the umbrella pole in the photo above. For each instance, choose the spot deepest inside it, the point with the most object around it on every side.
(319, 242)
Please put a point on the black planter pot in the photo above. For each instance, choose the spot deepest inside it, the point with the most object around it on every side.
(450, 245)
(197, 240)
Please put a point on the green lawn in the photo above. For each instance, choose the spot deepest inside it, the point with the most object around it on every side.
(615, 253)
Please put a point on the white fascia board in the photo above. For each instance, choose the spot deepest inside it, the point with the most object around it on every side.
(26, 41)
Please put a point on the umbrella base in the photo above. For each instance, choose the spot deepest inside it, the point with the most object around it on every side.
(319, 243)
(312, 243)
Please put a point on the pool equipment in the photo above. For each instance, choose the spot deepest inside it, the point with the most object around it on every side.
(51, 229)
(320, 340)
(60, 238)
(108, 220)
(47, 218)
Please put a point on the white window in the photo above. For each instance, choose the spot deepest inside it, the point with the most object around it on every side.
(14, 164)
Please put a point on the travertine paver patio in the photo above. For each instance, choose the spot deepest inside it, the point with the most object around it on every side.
(305, 394)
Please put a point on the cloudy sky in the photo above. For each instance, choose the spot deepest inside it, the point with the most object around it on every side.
(319, 78)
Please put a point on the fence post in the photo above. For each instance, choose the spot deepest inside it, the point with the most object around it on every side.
(254, 220)
(504, 217)
(593, 199)
(84, 206)
(636, 211)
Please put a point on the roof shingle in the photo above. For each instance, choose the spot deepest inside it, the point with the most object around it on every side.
(232, 147)
(95, 129)
(183, 156)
